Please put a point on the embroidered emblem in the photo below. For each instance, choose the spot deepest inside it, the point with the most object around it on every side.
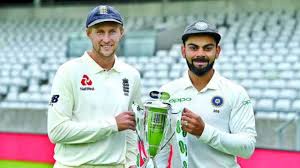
(217, 101)
(201, 26)
(125, 86)
(103, 9)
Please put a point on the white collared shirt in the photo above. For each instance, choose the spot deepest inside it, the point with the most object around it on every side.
(226, 109)
(81, 116)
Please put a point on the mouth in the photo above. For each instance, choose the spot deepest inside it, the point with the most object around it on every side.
(200, 62)
(106, 47)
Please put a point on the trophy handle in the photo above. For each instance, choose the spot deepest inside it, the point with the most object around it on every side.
(172, 116)
(139, 117)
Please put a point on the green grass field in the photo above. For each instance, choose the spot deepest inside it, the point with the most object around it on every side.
(19, 164)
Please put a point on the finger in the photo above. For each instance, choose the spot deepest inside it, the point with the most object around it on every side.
(131, 113)
(128, 113)
(186, 110)
(131, 118)
(187, 129)
(193, 123)
(184, 123)
(131, 124)
(132, 128)
(189, 123)
(185, 118)
(190, 115)
(189, 112)
(185, 115)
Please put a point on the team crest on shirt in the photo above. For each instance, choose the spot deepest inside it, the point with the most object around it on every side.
(125, 85)
(217, 101)
(86, 83)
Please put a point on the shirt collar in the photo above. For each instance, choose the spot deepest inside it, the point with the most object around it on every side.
(95, 68)
(117, 65)
(212, 84)
(186, 83)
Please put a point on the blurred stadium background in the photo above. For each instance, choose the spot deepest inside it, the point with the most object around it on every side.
(261, 51)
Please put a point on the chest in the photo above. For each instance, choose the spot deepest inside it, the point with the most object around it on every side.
(213, 106)
(102, 94)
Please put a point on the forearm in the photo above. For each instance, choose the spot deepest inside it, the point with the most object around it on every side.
(239, 144)
(71, 132)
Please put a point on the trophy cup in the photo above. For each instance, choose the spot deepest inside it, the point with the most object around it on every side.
(152, 124)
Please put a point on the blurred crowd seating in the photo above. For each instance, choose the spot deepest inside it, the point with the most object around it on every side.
(260, 50)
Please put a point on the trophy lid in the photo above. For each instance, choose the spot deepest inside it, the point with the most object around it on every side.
(156, 104)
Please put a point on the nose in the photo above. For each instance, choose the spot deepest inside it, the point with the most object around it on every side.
(200, 52)
(106, 38)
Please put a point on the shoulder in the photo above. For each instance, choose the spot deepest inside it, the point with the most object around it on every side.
(232, 88)
(172, 86)
(70, 66)
(129, 69)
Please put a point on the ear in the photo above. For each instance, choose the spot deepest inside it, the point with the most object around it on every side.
(88, 32)
(183, 51)
(218, 50)
(122, 32)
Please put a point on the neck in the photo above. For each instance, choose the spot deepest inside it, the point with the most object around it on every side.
(199, 82)
(104, 62)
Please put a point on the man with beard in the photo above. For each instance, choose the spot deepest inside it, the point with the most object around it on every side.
(89, 118)
(216, 121)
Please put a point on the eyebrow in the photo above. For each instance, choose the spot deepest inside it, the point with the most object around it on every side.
(206, 45)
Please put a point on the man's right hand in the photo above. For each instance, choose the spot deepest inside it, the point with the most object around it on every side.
(125, 120)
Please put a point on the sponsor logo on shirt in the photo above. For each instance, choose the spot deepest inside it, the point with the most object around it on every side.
(86, 83)
(180, 100)
(125, 84)
(159, 95)
(54, 99)
(246, 102)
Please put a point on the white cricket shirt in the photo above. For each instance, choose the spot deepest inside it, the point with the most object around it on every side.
(229, 131)
(81, 116)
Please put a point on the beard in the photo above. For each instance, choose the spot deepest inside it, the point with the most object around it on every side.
(200, 71)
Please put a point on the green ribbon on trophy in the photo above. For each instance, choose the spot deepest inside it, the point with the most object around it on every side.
(181, 137)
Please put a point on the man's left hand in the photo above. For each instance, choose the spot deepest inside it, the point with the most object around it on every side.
(192, 123)
(133, 166)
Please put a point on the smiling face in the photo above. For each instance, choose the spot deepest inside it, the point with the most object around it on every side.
(105, 38)
(200, 52)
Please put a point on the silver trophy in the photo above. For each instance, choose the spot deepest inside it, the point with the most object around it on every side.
(152, 124)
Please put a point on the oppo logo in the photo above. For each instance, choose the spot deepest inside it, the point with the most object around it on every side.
(159, 95)
(179, 100)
